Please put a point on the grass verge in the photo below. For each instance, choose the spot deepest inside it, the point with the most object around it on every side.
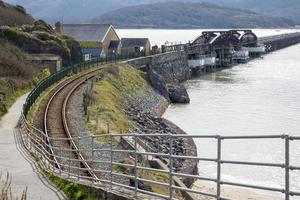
(111, 95)
(72, 190)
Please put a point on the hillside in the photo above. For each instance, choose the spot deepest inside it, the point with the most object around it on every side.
(13, 15)
(84, 11)
(189, 15)
(17, 73)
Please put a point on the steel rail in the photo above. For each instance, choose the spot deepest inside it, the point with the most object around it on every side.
(67, 129)
(64, 84)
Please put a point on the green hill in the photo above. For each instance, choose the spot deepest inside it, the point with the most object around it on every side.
(76, 11)
(189, 15)
(20, 36)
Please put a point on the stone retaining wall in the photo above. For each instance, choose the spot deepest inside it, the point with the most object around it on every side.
(172, 66)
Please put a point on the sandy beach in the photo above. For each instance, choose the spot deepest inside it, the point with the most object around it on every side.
(235, 193)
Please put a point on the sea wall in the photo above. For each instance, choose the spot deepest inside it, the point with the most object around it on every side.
(165, 73)
(172, 66)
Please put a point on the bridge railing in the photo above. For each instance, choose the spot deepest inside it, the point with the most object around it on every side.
(104, 156)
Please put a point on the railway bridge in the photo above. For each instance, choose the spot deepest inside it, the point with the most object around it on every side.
(217, 49)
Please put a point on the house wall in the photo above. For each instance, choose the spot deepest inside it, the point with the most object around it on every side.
(127, 50)
(147, 48)
(131, 50)
(111, 36)
(95, 52)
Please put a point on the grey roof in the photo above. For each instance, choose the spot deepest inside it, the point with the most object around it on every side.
(134, 42)
(114, 44)
(86, 32)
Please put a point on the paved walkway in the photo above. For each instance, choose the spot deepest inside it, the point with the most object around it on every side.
(15, 160)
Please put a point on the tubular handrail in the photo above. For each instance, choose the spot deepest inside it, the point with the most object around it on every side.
(39, 142)
(173, 173)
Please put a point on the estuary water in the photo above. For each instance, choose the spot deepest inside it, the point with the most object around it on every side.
(261, 97)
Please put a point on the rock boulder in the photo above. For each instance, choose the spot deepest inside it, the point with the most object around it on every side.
(178, 93)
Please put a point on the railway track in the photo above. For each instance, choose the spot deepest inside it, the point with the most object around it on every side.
(56, 127)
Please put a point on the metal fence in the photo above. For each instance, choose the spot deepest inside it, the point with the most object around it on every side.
(36, 141)
(76, 68)
(39, 143)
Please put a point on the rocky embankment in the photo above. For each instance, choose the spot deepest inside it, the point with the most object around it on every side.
(145, 113)
(125, 99)
(147, 120)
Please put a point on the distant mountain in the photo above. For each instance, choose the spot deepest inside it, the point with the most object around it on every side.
(73, 10)
(279, 8)
(84, 10)
(189, 15)
(13, 15)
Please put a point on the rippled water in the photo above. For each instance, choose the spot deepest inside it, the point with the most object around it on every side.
(261, 97)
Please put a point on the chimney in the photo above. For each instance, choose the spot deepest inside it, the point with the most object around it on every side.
(58, 27)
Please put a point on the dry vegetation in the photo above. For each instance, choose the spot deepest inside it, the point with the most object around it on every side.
(6, 189)
(16, 74)
(13, 15)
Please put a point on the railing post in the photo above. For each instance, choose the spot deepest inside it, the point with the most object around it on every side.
(219, 153)
(69, 164)
(78, 161)
(61, 153)
(111, 160)
(92, 156)
(171, 167)
(287, 167)
(135, 165)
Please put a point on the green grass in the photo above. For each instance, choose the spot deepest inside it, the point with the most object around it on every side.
(120, 82)
(90, 44)
(145, 174)
(39, 101)
(72, 190)
(12, 98)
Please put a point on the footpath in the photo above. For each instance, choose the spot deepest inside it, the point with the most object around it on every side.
(15, 160)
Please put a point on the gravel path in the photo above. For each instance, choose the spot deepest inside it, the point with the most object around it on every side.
(15, 160)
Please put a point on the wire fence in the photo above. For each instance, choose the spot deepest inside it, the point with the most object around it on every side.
(108, 169)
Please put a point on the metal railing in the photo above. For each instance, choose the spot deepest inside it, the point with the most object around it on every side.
(39, 143)
(109, 168)
(76, 68)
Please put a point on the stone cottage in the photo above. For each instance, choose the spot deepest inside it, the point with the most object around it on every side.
(96, 40)
(140, 46)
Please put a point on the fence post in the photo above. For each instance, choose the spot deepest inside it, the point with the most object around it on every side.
(92, 156)
(111, 160)
(287, 167)
(135, 165)
(61, 153)
(69, 164)
(219, 153)
(171, 167)
(78, 162)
